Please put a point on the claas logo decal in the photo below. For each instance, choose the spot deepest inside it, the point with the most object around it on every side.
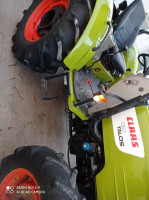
(127, 133)
(132, 132)
(122, 130)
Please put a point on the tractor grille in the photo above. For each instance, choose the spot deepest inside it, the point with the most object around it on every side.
(82, 89)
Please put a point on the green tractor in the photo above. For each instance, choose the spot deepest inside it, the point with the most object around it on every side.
(108, 96)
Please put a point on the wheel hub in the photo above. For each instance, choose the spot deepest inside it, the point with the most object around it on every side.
(49, 20)
(44, 17)
(22, 197)
(19, 184)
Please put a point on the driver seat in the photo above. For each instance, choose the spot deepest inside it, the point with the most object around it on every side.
(126, 29)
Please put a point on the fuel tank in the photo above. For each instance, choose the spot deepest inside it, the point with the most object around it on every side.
(125, 175)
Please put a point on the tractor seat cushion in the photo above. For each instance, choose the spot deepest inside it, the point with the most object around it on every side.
(128, 24)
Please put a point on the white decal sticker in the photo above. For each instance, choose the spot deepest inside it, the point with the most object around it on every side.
(127, 133)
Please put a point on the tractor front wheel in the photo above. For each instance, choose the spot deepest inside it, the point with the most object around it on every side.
(37, 173)
(49, 30)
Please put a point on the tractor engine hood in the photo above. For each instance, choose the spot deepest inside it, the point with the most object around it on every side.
(126, 171)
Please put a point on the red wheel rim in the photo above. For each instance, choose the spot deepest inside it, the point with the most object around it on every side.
(44, 7)
(19, 184)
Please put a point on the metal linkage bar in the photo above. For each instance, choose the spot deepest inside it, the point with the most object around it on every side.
(83, 102)
(122, 107)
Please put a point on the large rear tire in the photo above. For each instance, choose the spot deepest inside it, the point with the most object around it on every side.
(31, 167)
(49, 30)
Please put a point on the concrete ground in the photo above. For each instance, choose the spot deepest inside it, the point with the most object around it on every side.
(24, 118)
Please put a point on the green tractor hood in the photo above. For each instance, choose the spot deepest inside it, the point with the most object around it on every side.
(125, 175)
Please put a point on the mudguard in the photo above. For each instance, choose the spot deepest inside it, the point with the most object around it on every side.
(92, 37)
(126, 171)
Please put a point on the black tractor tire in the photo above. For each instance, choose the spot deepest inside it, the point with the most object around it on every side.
(51, 172)
(48, 53)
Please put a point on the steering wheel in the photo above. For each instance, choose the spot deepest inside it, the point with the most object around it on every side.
(144, 63)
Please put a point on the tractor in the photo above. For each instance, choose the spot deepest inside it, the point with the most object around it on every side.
(106, 80)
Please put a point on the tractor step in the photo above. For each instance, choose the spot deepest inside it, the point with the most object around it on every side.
(44, 86)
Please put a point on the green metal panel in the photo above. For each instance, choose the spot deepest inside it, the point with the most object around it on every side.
(131, 59)
(100, 71)
(124, 176)
(92, 36)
